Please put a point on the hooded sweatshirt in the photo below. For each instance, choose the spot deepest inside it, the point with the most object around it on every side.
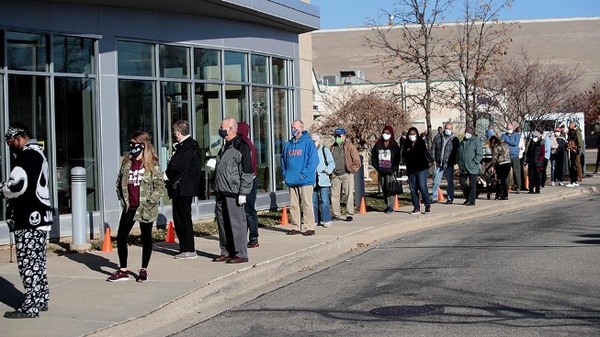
(385, 159)
(299, 161)
(244, 131)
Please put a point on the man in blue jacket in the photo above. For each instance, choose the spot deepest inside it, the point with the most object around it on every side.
(299, 163)
(512, 139)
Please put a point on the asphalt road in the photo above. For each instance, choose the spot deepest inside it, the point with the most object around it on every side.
(531, 272)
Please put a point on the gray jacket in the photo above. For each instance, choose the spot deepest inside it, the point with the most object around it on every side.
(233, 172)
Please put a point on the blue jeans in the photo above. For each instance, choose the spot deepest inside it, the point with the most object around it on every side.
(438, 173)
(251, 217)
(418, 180)
(321, 204)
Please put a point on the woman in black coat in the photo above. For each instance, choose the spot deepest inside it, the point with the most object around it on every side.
(414, 153)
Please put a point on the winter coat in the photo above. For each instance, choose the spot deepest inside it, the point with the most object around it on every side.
(27, 190)
(325, 167)
(470, 154)
(233, 171)
(415, 156)
(152, 189)
(351, 156)
(535, 155)
(299, 161)
(185, 165)
(500, 154)
(446, 146)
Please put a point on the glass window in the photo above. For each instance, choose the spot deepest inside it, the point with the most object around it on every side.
(236, 102)
(137, 110)
(259, 69)
(174, 61)
(235, 66)
(174, 106)
(208, 121)
(136, 59)
(26, 51)
(207, 64)
(73, 55)
(280, 133)
(75, 138)
(261, 130)
(279, 71)
(3, 149)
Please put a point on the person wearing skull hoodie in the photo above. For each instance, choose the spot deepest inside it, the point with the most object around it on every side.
(29, 217)
(385, 158)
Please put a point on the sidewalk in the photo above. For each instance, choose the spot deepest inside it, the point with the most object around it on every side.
(179, 293)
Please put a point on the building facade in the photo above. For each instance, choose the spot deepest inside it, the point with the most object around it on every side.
(85, 74)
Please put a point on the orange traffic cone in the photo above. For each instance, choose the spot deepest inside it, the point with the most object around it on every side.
(396, 204)
(284, 216)
(527, 182)
(363, 207)
(441, 196)
(170, 238)
(107, 244)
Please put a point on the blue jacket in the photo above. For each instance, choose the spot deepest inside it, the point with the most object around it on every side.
(513, 143)
(299, 161)
(548, 147)
(323, 171)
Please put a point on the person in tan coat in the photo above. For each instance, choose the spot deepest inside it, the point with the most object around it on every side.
(347, 163)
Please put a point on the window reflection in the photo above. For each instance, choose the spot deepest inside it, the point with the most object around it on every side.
(259, 69)
(137, 111)
(235, 66)
(73, 55)
(174, 62)
(280, 127)
(26, 51)
(261, 130)
(136, 59)
(208, 121)
(279, 71)
(207, 64)
(236, 102)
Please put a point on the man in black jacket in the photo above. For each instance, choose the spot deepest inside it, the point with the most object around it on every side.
(29, 217)
(183, 184)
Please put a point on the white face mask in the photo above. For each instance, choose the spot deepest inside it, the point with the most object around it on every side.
(535, 139)
(447, 132)
(557, 134)
(509, 131)
(412, 138)
(467, 135)
(386, 136)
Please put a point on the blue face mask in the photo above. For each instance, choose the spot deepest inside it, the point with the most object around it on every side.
(295, 132)
(135, 150)
(222, 133)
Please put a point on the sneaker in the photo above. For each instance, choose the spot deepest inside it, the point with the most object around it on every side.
(553, 183)
(575, 184)
(561, 183)
(427, 209)
(349, 218)
(327, 224)
(335, 218)
(119, 275)
(142, 276)
(186, 255)
(416, 211)
(569, 185)
(253, 243)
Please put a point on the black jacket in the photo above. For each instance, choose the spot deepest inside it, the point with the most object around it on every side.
(415, 156)
(184, 166)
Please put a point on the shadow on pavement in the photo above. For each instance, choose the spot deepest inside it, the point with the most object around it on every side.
(94, 262)
(10, 295)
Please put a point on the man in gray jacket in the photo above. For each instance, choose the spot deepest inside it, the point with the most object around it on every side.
(233, 182)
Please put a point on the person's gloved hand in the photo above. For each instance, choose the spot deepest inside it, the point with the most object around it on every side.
(242, 200)
(212, 163)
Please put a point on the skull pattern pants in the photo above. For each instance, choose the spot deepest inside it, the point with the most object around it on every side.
(31, 261)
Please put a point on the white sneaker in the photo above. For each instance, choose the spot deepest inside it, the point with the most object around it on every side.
(569, 185)
(553, 183)
(561, 183)
(576, 184)
(327, 224)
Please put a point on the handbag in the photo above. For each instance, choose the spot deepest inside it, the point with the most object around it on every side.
(394, 186)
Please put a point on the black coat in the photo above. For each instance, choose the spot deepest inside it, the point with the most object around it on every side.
(184, 166)
(415, 156)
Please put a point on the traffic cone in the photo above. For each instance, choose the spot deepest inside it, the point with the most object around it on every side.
(363, 207)
(107, 244)
(170, 238)
(441, 196)
(396, 203)
(284, 216)
(527, 182)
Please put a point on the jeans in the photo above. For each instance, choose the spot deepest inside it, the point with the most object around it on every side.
(250, 208)
(321, 204)
(418, 180)
(438, 173)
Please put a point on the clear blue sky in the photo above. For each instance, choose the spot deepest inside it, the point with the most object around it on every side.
(354, 13)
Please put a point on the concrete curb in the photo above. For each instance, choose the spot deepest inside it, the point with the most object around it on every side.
(183, 310)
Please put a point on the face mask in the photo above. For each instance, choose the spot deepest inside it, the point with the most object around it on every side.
(135, 150)
(339, 140)
(412, 137)
(447, 132)
(295, 133)
(468, 135)
(557, 134)
(386, 136)
(535, 139)
(222, 133)
(509, 131)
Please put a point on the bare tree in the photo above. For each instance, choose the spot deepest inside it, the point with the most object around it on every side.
(473, 52)
(529, 89)
(416, 53)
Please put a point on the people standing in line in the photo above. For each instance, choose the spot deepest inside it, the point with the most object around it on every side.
(183, 183)
(233, 183)
(299, 162)
(573, 151)
(444, 149)
(579, 165)
(512, 139)
(535, 161)
(321, 200)
(29, 217)
(501, 164)
(385, 158)
(470, 154)
(557, 158)
(547, 142)
(417, 169)
(522, 149)
(347, 163)
(250, 205)
(140, 186)
(597, 154)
